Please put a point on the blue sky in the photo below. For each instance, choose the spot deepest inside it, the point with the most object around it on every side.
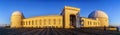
(32, 8)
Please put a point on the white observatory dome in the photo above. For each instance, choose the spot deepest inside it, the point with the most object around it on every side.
(16, 13)
(98, 14)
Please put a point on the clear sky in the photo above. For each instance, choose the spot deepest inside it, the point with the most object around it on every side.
(31, 8)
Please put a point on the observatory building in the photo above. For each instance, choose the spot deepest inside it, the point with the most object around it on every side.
(97, 18)
(69, 18)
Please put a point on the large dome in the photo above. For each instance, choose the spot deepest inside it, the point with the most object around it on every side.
(16, 13)
(98, 14)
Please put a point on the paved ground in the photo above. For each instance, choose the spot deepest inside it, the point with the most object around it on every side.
(4, 31)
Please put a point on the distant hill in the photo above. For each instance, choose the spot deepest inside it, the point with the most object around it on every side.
(119, 28)
(3, 25)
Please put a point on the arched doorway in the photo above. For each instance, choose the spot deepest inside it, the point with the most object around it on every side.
(72, 20)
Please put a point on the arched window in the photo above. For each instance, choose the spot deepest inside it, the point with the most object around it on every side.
(59, 21)
(35, 22)
(22, 23)
(26, 22)
(88, 23)
(54, 21)
(49, 21)
(29, 22)
(32, 22)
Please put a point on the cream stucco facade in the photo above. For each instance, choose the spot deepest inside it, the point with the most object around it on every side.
(54, 21)
(69, 18)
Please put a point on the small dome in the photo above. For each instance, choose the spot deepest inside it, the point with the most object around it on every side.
(97, 14)
(16, 13)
